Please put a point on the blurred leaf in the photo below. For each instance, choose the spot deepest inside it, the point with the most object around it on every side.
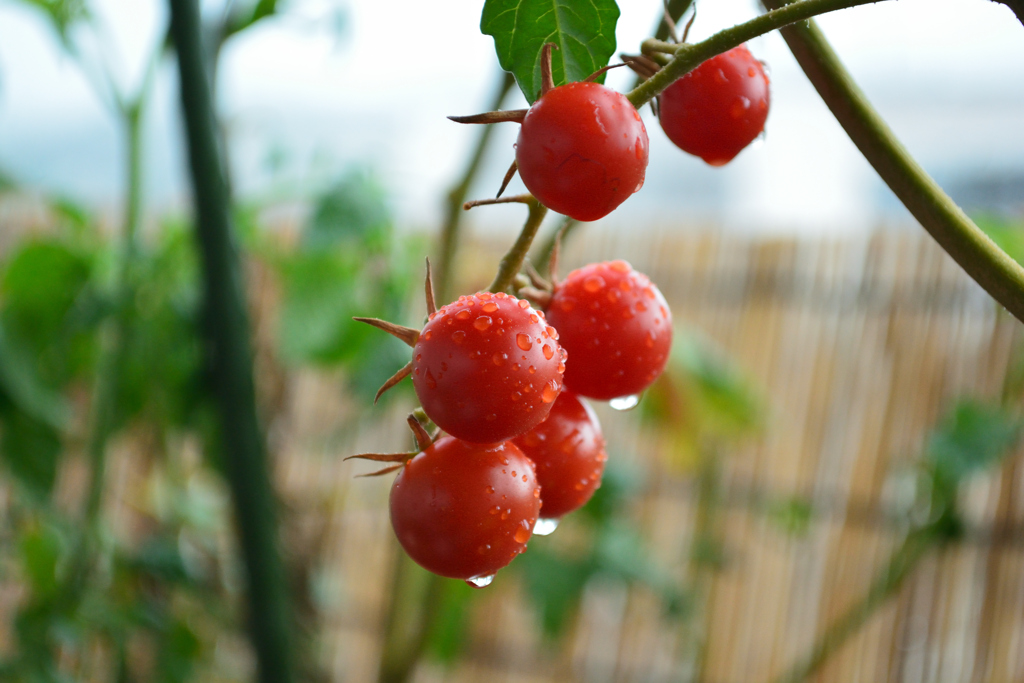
(448, 633)
(40, 285)
(244, 15)
(791, 516)
(41, 549)
(62, 14)
(974, 437)
(555, 584)
(21, 387)
(158, 558)
(619, 485)
(355, 209)
(583, 31)
(179, 650)
(31, 449)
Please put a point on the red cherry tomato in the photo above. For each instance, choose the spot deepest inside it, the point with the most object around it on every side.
(582, 150)
(487, 367)
(465, 510)
(718, 108)
(568, 450)
(615, 326)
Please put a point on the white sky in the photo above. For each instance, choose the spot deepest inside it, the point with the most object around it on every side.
(947, 74)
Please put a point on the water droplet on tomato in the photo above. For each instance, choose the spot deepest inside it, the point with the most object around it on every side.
(524, 478)
(482, 323)
(545, 526)
(484, 296)
(594, 283)
(481, 581)
(552, 332)
(624, 402)
(490, 307)
(534, 319)
(489, 489)
(463, 314)
(522, 532)
(491, 418)
(516, 395)
(550, 392)
(523, 341)
(483, 549)
(549, 352)
(524, 304)
(513, 474)
(641, 306)
(427, 335)
(499, 358)
(431, 382)
(459, 336)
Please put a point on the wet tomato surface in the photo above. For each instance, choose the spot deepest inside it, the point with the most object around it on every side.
(718, 108)
(487, 367)
(568, 450)
(582, 150)
(616, 327)
(465, 510)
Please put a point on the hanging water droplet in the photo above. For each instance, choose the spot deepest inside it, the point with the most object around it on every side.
(545, 526)
(624, 402)
(480, 581)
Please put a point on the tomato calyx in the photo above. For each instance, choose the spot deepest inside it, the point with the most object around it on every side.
(424, 440)
(409, 335)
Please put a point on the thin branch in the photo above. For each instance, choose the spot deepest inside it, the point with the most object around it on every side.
(886, 584)
(512, 261)
(451, 230)
(986, 263)
(423, 440)
(514, 199)
(687, 57)
(547, 79)
(509, 174)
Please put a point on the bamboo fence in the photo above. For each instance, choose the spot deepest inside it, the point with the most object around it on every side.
(859, 345)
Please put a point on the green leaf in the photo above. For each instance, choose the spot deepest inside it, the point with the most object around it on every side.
(583, 30)
(31, 449)
(974, 437)
(180, 648)
(554, 583)
(40, 285)
(353, 209)
(41, 550)
(448, 634)
(21, 387)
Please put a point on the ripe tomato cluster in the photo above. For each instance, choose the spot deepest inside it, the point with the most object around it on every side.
(506, 381)
(523, 448)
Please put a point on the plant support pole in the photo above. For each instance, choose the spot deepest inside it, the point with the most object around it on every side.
(227, 333)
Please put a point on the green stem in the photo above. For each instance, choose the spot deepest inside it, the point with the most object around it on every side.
(110, 366)
(227, 331)
(443, 272)
(561, 232)
(689, 56)
(986, 263)
(512, 261)
(885, 584)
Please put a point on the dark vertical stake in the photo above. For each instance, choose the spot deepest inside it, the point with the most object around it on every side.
(228, 340)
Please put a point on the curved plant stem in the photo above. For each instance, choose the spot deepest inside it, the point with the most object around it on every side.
(457, 196)
(512, 261)
(885, 584)
(986, 263)
(227, 334)
(688, 56)
(561, 232)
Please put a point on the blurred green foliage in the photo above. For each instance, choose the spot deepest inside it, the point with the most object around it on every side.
(349, 262)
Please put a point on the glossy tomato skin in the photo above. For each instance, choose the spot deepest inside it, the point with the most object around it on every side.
(615, 326)
(465, 510)
(717, 109)
(487, 367)
(568, 450)
(582, 150)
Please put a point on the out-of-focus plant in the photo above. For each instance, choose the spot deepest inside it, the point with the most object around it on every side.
(348, 261)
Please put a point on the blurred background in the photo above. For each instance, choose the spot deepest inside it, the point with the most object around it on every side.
(825, 485)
